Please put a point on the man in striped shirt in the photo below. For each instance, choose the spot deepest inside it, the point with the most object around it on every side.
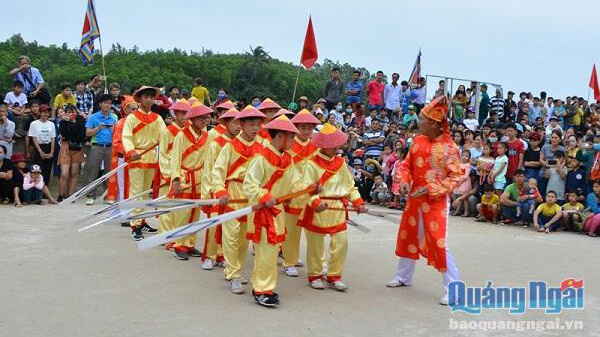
(373, 140)
(496, 104)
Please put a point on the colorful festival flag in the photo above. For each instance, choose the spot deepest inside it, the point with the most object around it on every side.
(89, 34)
(416, 72)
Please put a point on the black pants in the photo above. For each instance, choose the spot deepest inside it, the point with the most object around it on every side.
(45, 164)
(6, 189)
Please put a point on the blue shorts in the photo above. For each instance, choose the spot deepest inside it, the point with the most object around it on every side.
(499, 185)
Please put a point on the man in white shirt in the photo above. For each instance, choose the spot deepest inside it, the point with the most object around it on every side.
(471, 122)
(16, 99)
(391, 94)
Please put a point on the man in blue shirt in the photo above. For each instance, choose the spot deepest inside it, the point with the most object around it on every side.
(31, 77)
(100, 127)
(354, 89)
(373, 140)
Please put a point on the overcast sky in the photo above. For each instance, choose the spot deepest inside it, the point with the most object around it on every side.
(530, 45)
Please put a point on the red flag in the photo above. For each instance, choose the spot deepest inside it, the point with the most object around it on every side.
(571, 282)
(309, 51)
(594, 84)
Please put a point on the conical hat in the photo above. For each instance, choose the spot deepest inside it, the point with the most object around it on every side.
(284, 112)
(181, 106)
(329, 137)
(231, 113)
(249, 111)
(198, 110)
(281, 123)
(305, 117)
(225, 105)
(268, 104)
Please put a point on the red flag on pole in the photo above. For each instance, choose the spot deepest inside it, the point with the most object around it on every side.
(594, 84)
(309, 51)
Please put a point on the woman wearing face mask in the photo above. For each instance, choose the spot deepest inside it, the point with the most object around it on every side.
(221, 98)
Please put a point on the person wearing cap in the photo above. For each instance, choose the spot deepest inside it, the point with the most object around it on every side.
(34, 187)
(141, 132)
(410, 116)
(303, 103)
(118, 184)
(186, 164)
(162, 176)
(270, 174)
(220, 128)
(429, 174)
(269, 108)
(227, 175)
(212, 253)
(302, 151)
(337, 191)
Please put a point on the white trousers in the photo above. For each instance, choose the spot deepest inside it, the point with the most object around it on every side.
(406, 267)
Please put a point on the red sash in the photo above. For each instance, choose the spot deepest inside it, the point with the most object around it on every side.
(246, 153)
(144, 119)
(301, 152)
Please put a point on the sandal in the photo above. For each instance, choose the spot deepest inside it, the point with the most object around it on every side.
(18, 204)
(466, 215)
(495, 223)
(483, 220)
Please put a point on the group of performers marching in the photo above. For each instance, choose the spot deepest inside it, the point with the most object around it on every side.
(254, 157)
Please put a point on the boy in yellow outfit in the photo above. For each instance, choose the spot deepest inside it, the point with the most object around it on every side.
(337, 191)
(228, 175)
(271, 174)
(302, 150)
(213, 249)
(162, 177)
(269, 107)
(220, 128)
(187, 160)
(141, 132)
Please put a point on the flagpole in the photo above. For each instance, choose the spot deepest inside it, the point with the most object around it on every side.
(296, 85)
(103, 67)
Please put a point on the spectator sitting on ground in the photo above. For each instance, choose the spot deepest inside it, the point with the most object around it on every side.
(548, 215)
(572, 212)
(16, 100)
(489, 207)
(591, 223)
(511, 199)
(379, 192)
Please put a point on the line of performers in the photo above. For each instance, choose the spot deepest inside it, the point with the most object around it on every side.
(254, 156)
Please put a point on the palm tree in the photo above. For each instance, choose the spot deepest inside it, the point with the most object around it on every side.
(259, 59)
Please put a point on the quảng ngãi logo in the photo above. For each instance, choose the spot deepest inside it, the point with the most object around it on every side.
(537, 296)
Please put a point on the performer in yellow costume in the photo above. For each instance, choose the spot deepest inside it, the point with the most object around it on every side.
(337, 191)
(213, 249)
(141, 132)
(228, 175)
(302, 150)
(187, 161)
(162, 178)
(271, 174)
(269, 107)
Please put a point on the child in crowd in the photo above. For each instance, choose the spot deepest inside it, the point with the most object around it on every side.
(546, 217)
(592, 212)
(556, 175)
(464, 185)
(498, 175)
(379, 193)
(530, 190)
(410, 117)
(485, 163)
(385, 168)
(576, 180)
(33, 186)
(572, 212)
(489, 207)
(398, 201)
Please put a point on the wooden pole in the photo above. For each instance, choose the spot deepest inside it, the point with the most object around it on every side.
(296, 85)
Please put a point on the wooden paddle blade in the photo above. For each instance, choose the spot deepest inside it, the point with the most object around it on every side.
(92, 185)
(358, 226)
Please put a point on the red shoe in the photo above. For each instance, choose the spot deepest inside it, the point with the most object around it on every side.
(507, 221)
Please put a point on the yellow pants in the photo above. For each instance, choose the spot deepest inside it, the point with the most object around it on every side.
(182, 218)
(235, 248)
(167, 221)
(212, 248)
(291, 245)
(140, 180)
(264, 273)
(338, 249)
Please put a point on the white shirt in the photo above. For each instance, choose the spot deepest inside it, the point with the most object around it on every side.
(10, 99)
(42, 131)
(391, 96)
(471, 124)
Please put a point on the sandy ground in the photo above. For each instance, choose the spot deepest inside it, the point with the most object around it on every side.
(58, 282)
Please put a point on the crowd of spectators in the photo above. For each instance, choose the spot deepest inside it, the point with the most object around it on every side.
(533, 161)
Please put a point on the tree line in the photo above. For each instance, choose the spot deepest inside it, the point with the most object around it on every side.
(243, 75)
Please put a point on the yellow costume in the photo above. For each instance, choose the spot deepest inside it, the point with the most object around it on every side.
(141, 131)
(270, 174)
(338, 190)
(187, 160)
(227, 177)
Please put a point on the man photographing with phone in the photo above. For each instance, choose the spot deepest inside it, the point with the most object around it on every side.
(100, 127)
(32, 80)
